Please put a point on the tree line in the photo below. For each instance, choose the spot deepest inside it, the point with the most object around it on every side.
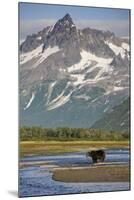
(68, 134)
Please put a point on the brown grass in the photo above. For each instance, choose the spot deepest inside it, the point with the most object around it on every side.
(56, 147)
(111, 173)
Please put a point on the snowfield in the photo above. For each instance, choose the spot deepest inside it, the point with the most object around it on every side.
(25, 57)
(37, 53)
(86, 59)
(84, 62)
(119, 50)
(125, 46)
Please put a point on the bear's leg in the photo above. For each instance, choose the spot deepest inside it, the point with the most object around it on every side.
(94, 159)
(102, 159)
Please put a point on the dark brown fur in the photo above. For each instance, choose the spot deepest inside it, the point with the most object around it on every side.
(97, 155)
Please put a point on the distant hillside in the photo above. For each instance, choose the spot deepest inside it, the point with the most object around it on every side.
(115, 119)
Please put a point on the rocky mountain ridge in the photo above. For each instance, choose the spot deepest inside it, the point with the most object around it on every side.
(70, 77)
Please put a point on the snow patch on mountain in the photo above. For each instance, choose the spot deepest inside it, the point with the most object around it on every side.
(78, 78)
(37, 53)
(92, 57)
(119, 50)
(106, 109)
(50, 90)
(46, 53)
(59, 101)
(86, 60)
(125, 46)
(122, 123)
(30, 101)
(115, 89)
(118, 88)
(50, 29)
(57, 98)
(83, 96)
(38, 38)
(25, 57)
(21, 41)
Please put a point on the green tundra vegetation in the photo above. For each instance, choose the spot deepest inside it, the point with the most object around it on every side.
(70, 134)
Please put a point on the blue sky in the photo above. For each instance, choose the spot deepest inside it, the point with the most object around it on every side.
(34, 17)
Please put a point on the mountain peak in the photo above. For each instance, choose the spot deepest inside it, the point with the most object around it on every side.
(65, 22)
(67, 17)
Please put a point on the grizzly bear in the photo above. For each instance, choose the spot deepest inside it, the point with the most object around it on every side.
(96, 155)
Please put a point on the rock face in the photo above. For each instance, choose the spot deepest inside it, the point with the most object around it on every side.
(71, 77)
(117, 118)
(33, 41)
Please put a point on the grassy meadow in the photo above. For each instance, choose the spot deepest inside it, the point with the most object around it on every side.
(57, 147)
(45, 141)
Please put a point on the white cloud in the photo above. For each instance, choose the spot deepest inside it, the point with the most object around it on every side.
(119, 27)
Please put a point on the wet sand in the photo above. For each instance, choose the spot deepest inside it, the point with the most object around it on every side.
(97, 173)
